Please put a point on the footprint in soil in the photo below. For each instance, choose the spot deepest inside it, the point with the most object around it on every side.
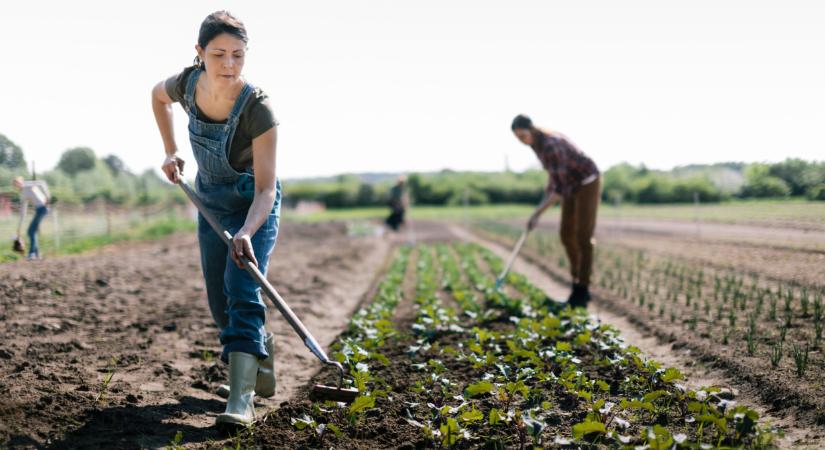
(47, 349)
(141, 326)
(129, 359)
(167, 369)
(215, 373)
(206, 378)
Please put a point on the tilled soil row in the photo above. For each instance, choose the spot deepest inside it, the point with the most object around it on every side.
(117, 349)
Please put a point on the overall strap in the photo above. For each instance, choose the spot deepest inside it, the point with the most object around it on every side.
(189, 93)
(246, 92)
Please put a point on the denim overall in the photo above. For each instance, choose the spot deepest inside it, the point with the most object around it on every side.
(234, 296)
(39, 213)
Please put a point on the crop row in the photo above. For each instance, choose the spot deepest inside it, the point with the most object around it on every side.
(780, 323)
(480, 367)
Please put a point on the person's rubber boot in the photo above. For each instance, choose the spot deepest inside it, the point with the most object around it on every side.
(580, 297)
(265, 386)
(573, 293)
(240, 410)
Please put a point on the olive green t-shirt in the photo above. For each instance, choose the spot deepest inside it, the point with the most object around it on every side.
(255, 119)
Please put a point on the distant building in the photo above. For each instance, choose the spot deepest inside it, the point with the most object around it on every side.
(5, 204)
(309, 207)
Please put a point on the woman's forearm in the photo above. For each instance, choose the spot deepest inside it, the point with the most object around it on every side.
(259, 210)
(163, 117)
(548, 201)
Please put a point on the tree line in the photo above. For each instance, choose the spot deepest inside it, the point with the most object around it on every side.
(622, 183)
(81, 177)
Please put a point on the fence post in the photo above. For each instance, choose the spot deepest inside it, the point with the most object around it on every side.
(56, 230)
(466, 201)
(696, 212)
(108, 218)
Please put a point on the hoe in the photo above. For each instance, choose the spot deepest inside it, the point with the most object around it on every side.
(339, 393)
(519, 244)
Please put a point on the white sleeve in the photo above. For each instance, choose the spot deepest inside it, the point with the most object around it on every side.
(45, 188)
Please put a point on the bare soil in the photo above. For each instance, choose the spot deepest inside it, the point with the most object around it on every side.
(117, 349)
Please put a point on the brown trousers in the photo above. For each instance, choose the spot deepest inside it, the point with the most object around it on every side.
(578, 221)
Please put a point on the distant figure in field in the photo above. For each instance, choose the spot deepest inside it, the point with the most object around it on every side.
(574, 181)
(398, 204)
(36, 192)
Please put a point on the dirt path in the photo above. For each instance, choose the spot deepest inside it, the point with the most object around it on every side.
(116, 349)
(698, 374)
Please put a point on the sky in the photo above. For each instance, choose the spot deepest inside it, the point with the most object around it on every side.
(402, 86)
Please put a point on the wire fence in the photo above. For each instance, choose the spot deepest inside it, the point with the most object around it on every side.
(66, 226)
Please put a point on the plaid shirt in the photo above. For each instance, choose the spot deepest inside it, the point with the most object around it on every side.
(564, 162)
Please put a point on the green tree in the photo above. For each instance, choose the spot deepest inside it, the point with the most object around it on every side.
(11, 155)
(793, 172)
(618, 183)
(77, 160)
(366, 195)
(760, 183)
(115, 164)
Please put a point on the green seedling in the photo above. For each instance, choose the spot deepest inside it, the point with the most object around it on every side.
(800, 357)
(174, 444)
(776, 354)
(107, 379)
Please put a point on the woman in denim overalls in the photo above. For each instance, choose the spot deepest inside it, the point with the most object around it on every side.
(247, 205)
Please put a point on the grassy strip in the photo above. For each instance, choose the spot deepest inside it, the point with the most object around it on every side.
(418, 213)
(153, 230)
(791, 212)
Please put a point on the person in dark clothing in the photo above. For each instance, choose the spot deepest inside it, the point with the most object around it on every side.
(398, 204)
(574, 181)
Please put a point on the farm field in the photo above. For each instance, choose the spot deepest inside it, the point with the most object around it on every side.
(115, 348)
(790, 214)
(445, 361)
(753, 309)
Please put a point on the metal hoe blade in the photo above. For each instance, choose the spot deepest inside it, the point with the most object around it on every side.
(336, 394)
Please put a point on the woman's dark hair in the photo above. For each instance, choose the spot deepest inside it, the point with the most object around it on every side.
(522, 122)
(217, 23)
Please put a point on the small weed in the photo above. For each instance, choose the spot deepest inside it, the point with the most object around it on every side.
(107, 379)
(206, 355)
(174, 444)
